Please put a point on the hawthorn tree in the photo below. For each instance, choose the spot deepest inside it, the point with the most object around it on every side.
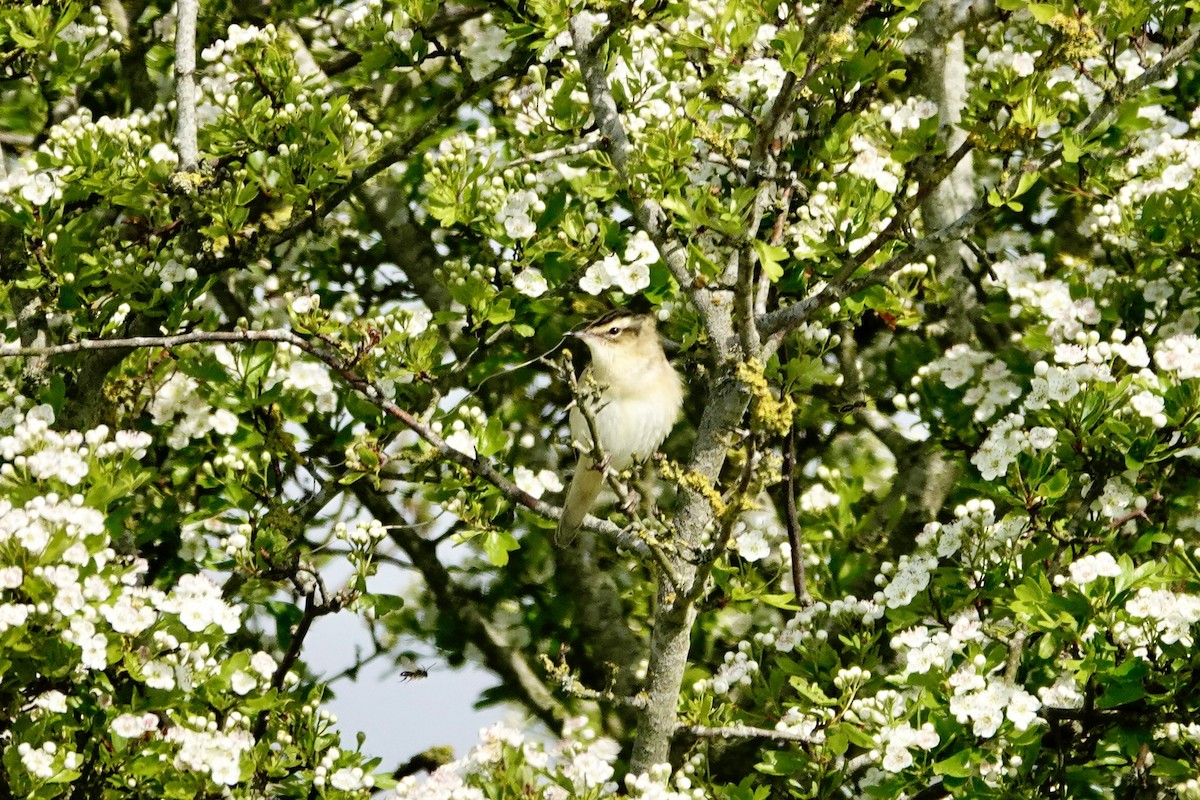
(286, 287)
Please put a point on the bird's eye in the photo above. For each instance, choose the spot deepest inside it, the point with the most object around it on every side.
(613, 331)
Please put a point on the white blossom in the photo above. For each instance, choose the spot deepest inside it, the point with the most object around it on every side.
(39, 188)
(910, 579)
(348, 779)
(869, 163)
(986, 703)
(752, 545)
(131, 726)
(1063, 693)
(1172, 614)
(530, 282)
(198, 602)
(1023, 64)
(460, 439)
(899, 740)
(214, 752)
(242, 682)
(1147, 404)
(161, 153)
(486, 46)
(817, 499)
(1180, 354)
(1089, 568)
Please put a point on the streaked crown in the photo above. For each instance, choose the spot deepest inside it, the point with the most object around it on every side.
(617, 326)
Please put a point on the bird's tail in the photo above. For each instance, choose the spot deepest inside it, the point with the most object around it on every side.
(585, 486)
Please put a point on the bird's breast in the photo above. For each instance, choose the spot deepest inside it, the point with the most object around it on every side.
(631, 425)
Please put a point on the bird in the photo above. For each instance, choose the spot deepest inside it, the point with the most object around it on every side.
(637, 402)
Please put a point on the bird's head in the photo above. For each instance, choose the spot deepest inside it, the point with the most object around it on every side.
(621, 343)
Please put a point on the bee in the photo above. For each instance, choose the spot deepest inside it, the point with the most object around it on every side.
(414, 674)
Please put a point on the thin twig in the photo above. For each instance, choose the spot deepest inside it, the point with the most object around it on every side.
(799, 582)
(562, 674)
(166, 342)
(311, 612)
(352, 671)
(21, 140)
(743, 732)
(579, 148)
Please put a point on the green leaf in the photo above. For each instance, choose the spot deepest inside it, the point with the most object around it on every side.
(287, 616)
(54, 392)
(1056, 485)
(770, 257)
(783, 600)
(811, 691)
(384, 603)
(956, 766)
(1122, 685)
(836, 741)
(498, 544)
(1072, 149)
(777, 762)
(259, 358)
(1042, 12)
(246, 194)
(1171, 769)
(1027, 180)
(23, 39)
(493, 439)
(501, 312)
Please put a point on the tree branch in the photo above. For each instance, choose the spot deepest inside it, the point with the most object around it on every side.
(742, 732)
(727, 520)
(784, 320)
(670, 637)
(941, 74)
(795, 540)
(648, 213)
(476, 466)
(499, 654)
(135, 342)
(401, 149)
(586, 146)
(312, 610)
(185, 84)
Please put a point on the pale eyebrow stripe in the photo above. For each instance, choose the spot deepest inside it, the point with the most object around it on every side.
(621, 323)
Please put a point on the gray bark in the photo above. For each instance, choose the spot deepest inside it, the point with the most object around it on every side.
(942, 77)
(185, 84)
